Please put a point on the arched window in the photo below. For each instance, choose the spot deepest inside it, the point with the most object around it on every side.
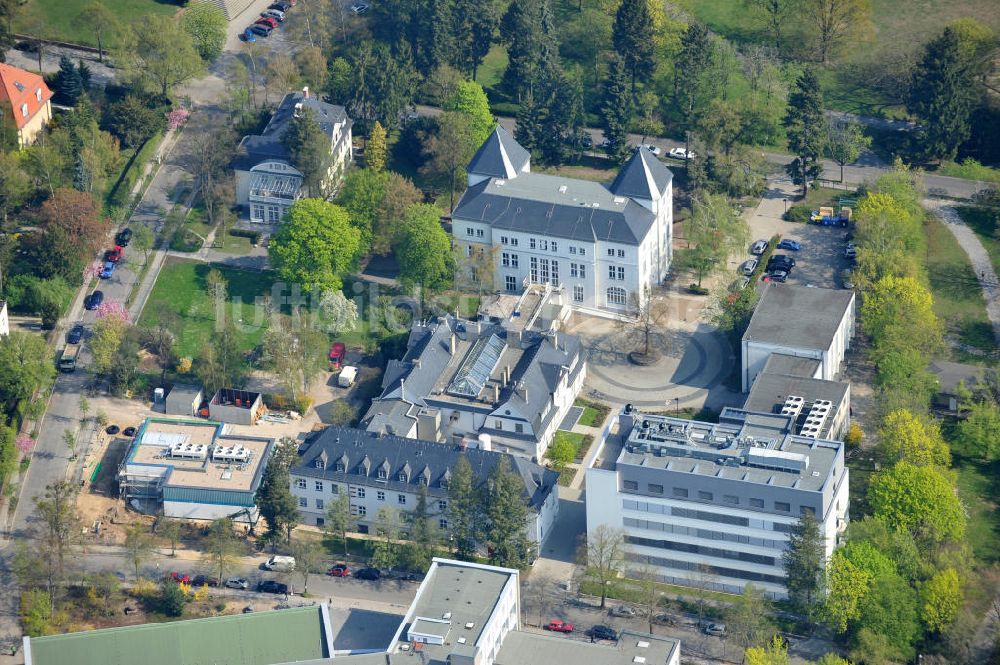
(616, 296)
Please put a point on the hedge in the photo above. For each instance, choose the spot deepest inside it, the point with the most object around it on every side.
(798, 213)
(254, 236)
(122, 192)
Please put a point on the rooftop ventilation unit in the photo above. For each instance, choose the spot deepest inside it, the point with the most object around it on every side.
(792, 406)
(236, 453)
(189, 451)
(816, 418)
(469, 625)
(779, 460)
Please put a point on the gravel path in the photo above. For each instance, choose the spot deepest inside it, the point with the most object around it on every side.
(978, 255)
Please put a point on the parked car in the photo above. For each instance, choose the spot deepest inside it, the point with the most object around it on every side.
(275, 14)
(281, 6)
(369, 574)
(652, 148)
(622, 611)
(109, 270)
(780, 260)
(681, 153)
(205, 580)
(129, 432)
(759, 247)
(787, 243)
(602, 632)
(282, 564)
(847, 279)
(851, 251)
(180, 578)
(272, 586)
(337, 351)
(260, 30)
(559, 626)
(606, 143)
(665, 618)
(248, 35)
(112, 429)
(339, 570)
(269, 21)
(114, 254)
(748, 266)
(75, 334)
(237, 583)
(717, 629)
(587, 141)
(94, 300)
(123, 237)
(780, 276)
(741, 283)
(360, 8)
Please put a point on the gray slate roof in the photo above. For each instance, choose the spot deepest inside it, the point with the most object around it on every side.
(352, 446)
(798, 316)
(557, 207)
(500, 156)
(255, 149)
(643, 177)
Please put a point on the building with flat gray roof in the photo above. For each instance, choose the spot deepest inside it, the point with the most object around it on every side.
(711, 504)
(530, 649)
(802, 398)
(801, 322)
(604, 244)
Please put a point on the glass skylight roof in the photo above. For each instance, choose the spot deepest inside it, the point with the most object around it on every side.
(476, 370)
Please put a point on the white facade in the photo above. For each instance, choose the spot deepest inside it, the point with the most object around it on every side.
(4, 321)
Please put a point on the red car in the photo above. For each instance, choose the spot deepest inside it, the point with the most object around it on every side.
(114, 255)
(339, 570)
(268, 21)
(180, 578)
(560, 626)
(337, 352)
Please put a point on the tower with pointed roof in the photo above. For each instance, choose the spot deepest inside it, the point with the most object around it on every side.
(500, 156)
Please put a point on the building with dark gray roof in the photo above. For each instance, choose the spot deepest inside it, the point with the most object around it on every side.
(384, 471)
(802, 322)
(266, 181)
(504, 384)
(603, 244)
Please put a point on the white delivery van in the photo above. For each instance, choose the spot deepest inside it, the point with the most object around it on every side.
(347, 376)
(281, 564)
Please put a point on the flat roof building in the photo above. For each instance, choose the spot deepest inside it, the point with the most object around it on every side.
(801, 322)
(711, 504)
(787, 385)
(193, 469)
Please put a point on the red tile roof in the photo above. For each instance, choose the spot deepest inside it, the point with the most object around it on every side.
(19, 87)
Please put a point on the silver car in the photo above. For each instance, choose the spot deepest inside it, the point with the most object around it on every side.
(758, 247)
(623, 611)
(717, 629)
(748, 266)
(237, 583)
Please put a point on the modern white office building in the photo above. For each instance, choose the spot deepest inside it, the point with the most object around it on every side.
(711, 504)
(604, 244)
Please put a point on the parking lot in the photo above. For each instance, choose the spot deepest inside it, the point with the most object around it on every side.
(820, 261)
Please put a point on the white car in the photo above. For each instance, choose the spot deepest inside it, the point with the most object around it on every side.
(850, 251)
(652, 148)
(623, 611)
(681, 153)
(276, 14)
(360, 8)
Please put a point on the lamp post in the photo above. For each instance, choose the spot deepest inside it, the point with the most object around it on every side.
(677, 406)
(786, 204)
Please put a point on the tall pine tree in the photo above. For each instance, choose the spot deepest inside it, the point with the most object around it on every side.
(69, 83)
(532, 48)
(476, 24)
(562, 118)
(530, 118)
(805, 564)
(305, 143)
(942, 96)
(633, 39)
(506, 517)
(805, 126)
(463, 510)
(690, 77)
(616, 111)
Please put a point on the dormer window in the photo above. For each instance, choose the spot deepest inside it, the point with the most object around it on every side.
(402, 477)
(382, 474)
(38, 94)
(24, 110)
(320, 464)
(340, 468)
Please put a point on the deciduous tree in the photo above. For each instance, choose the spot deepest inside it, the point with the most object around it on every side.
(25, 367)
(170, 530)
(979, 433)
(845, 141)
(315, 245)
(601, 555)
(207, 26)
(338, 518)
(78, 215)
(424, 249)
(309, 556)
(15, 185)
(747, 620)
(914, 438)
(103, 22)
(470, 100)
(835, 21)
(159, 52)
(940, 600)
(449, 149)
(221, 547)
(375, 149)
(138, 545)
(775, 14)
(918, 499)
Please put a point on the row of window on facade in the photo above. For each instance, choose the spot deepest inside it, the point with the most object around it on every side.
(615, 296)
(361, 511)
(272, 212)
(359, 492)
(683, 493)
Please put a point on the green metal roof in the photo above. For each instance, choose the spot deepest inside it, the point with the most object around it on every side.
(260, 638)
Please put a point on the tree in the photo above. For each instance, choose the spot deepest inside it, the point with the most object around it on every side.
(307, 147)
(464, 510)
(806, 129)
(632, 35)
(309, 556)
(78, 216)
(905, 436)
(561, 452)
(469, 99)
(747, 619)
(207, 26)
(855, 435)
(400, 194)
(871, 647)
(979, 433)
(918, 499)
(649, 593)
(383, 85)
(384, 549)
(942, 95)
(312, 66)
(338, 518)
(336, 313)
(315, 245)
(172, 599)
(221, 546)
(716, 231)
(423, 532)
(616, 111)
(601, 554)
(170, 530)
(651, 316)
(69, 438)
(561, 119)
(277, 505)
(296, 355)
(835, 20)
(449, 149)
(775, 14)
(361, 194)
(530, 116)
(805, 564)
(105, 340)
(138, 545)
(774, 652)
(25, 367)
(691, 73)
(59, 527)
(133, 121)
(940, 600)
(890, 609)
(375, 149)
(102, 22)
(68, 84)
(506, 514)
(899, 310)
(158, 52)
(848, 585)
(15, 185)
(8, 10)
(528, 30)
(424, 249)
(845, 141)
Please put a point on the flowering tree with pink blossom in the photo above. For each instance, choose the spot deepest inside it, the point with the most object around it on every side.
(93, 270)
(112, 309)
(177, 117)
(24, 443)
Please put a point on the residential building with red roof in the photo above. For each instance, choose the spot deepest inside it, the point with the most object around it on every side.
(25, 101)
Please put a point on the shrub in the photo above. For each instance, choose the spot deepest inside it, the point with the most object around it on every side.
(302, 404)
(172, 599)
(254, 236)
(854, 436)
(798, 213)
(697, 290)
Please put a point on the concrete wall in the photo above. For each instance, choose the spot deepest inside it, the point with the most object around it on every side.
(203, 511)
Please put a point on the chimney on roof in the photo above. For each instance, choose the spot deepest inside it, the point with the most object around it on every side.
(305, 92)
(451, 344)
(522, 391)
(496, 393)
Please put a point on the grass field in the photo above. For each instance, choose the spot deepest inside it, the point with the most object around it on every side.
(958, 298)
(60, 19)
(979, 488)
(985, 222)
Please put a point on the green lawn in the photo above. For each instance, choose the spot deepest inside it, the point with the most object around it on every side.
(958, 298)
(979, 489)
(970, 169)
(234, 244)
(59, 19)
(180, 288)
(985, 222)
(593, 413)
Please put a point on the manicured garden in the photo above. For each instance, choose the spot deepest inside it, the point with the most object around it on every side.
(593, 414)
